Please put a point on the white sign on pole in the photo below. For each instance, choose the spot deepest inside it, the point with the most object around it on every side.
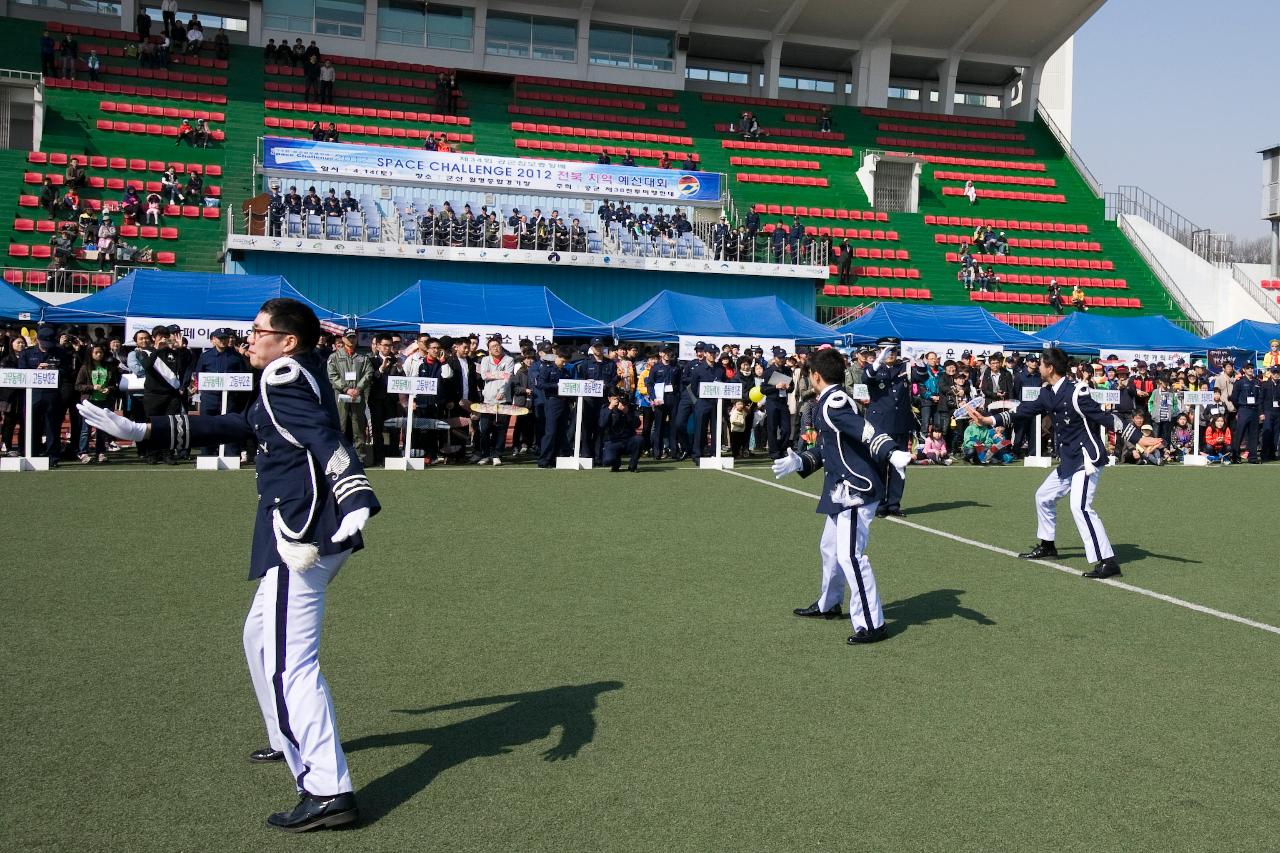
(1031, 393)
(860, 393)
(1105, 397)
(687, 343)
(410, 386)
(1196, 399)
(224, 382)
(718, 391)
(578, 388)
(416, 385)
(30, 380)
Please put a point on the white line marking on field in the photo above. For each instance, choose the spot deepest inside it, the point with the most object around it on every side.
(1159, 596)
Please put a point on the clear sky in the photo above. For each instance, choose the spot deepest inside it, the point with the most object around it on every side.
(1177, 97)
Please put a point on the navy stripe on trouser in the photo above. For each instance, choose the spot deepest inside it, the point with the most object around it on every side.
(277, 678)
(1084, 511)
(855, 558)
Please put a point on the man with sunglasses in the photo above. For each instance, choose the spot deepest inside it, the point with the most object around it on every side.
(313, 501)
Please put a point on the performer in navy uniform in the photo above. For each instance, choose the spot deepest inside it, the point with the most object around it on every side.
(851, 451)
(777, 416)
(685, 400)
(314, 500)
(888, 384)
(556, 412)
(665, 375)
(220, 358)
(1076, 418)
(1246, 396)
(1270, 414)
(618, 425)
(161, 385)
(706, 369)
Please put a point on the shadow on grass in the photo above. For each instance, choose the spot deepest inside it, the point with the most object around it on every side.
(927, 607)
(1126, 554)
(943, 506)
(523, 718)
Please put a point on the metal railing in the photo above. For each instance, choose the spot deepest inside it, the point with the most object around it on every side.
(72, 281)
(810, 251)
(1072, 155)
(1262, 297)
(834, 316)
(1197, 324)
(15, 74)
(1135, 201)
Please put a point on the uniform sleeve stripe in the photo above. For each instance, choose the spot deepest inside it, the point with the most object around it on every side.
(349, 492)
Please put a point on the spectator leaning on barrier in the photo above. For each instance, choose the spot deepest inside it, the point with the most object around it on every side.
(350, 374)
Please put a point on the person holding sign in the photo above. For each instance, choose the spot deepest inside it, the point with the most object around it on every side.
(1076, 419)
(556, 408)
(219, 358)
(706, 369)
(851, 451)
(1246, 394)
(777, 414)
(47, 406)
(314, 500)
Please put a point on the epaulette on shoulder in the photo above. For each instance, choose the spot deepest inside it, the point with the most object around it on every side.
(282, 371)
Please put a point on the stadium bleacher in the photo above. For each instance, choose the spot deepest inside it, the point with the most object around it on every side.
(1025, 185)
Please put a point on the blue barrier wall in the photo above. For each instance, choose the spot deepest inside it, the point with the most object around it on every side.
(356, 285)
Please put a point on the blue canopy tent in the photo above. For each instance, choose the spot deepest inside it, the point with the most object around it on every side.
(182, 296)
(478, 307)
(1086, 333)
(1245, 336)
(962, 324)
(669, 315)
(17, 304)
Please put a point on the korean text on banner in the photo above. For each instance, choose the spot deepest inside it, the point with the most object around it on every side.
(511, 335)
(409, 165)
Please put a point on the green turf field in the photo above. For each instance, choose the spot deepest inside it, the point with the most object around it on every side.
(530, 660)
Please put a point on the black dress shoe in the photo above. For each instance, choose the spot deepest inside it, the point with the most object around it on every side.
(812, 612)
(862, 635)
(266, 755)
(314, 812)
(881, 513)
(895, 511)
(1041, 551)
(1108, 568)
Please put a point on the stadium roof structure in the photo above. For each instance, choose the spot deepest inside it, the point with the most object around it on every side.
(987, 37)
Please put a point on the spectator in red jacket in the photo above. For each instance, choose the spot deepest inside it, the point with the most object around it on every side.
(1217, 440)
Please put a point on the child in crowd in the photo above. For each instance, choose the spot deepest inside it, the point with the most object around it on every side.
(1181, 444)
(934, 450)
(738, 417)
(976, 441)
(1217, 439)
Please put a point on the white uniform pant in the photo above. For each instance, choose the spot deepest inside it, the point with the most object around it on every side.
(282, 646)
(1082, 488)
(844, 540)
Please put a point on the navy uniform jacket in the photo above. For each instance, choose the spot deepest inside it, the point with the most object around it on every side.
(1076, 420)
(549, 381)
(163, 372)
(227, 361)
(1242, 392)
(604, 370)
(772, 396)
(1269, 399)
(890, 391)
(432, 405)
(58, 359)
(618, 425)
(307, 472)
(703, 372)
(664, 374)
(849, 449)
(535, 381)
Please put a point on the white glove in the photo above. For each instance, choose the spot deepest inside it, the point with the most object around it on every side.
(352, 523)
(111, 423)
(297, 556)
(1089, 468)
(899, 459)
(789, 464)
